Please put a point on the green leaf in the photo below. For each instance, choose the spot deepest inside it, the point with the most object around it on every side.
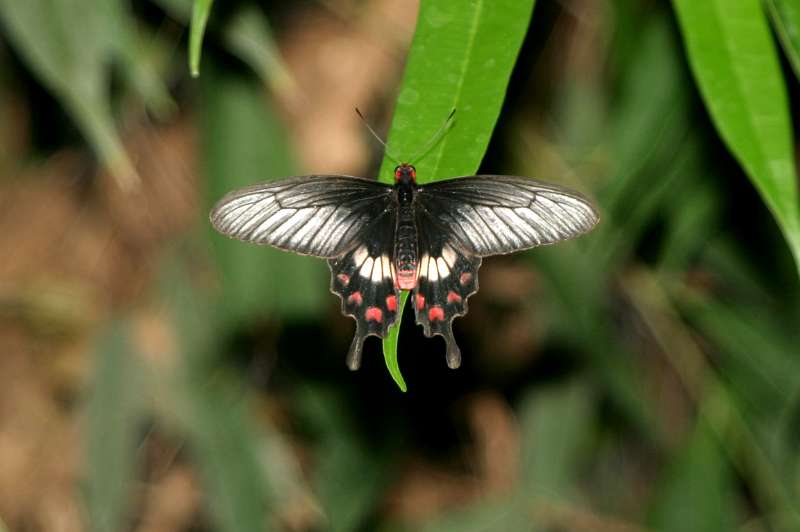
(248, 35)
(143, 57)
(225, 446)
(390, 346)
(212, 409)
(735, 64)
(786, 20)
(339, 450)
(556, 424)
(461, 58)
(69, 45)
(244, 142)
(113, 409)
(200, 11)
(697, 493)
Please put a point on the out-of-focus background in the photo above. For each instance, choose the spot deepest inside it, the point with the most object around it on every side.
(156, 377)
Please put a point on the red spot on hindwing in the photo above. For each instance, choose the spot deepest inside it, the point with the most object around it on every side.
(452, 297)
(373, 314)
(436, 313)
(344, 278)
(391, 303)
(465, 278)
(355, 298)
(419, 299)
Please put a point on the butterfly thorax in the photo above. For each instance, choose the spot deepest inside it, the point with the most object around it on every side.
(405, 244)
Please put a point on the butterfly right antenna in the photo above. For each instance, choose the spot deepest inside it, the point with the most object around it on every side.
(435, 138)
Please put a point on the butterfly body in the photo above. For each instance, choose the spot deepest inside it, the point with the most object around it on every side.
(380, 239)
(405, 245)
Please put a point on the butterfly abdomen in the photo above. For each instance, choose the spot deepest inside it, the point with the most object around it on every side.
(405, 244)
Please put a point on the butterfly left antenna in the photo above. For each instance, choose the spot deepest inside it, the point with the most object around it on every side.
(377, 137)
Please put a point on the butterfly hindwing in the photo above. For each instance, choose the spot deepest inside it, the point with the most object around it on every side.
(364, 279)
(446, 276)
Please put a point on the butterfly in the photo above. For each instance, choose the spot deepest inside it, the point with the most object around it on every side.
(380, 239)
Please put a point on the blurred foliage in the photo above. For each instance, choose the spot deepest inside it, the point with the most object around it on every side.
(644, 377)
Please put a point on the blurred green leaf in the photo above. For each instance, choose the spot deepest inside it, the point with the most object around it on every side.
(461, 58)
(223, 440)
(786, 20)
(736, 67)
(485, 516)
(248, 35)
(200, 12)
(69, 46)
(244, 142)
(140, 56)
(114, 408)
(758, 356)
(341, 456)
(649, 123)
(556, 425)
(690, 224)
(212, 408)
(697, 491)
(180, 10)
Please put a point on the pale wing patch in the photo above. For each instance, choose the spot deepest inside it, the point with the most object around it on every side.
(449, 256)
(387, 266)
(441, 266)
(423, 266)
(360, 256)
(377, 271)
(366, 269)
(433, 273)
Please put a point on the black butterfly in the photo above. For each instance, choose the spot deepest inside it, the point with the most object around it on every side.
(380, 239)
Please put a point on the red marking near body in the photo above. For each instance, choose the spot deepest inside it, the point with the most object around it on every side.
(452, 297)
(406, 279)
(373, 314)
(391, 303)
(344, 278)
(465, 278)
(436, 313)
(355, 297)
(420, 301)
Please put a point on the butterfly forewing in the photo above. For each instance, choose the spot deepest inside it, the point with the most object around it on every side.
(312, 215)
(491, 215)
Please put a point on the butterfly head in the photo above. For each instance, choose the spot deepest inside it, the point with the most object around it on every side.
(405, 173)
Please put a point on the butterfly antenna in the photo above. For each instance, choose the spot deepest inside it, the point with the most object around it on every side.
(436, 137)
(377, 137)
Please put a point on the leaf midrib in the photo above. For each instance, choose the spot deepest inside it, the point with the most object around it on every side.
(473, 31)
